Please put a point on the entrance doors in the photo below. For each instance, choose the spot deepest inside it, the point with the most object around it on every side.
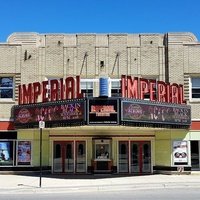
(134, 157)
(69, 156)
(195, 154)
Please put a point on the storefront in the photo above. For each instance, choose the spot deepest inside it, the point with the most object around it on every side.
(102, 155)
(103, 134)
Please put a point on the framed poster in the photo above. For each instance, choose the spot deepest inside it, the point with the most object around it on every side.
(6, 153)
(24, 153)
(180, 153)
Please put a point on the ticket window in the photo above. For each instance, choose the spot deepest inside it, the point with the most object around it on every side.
(102, 150)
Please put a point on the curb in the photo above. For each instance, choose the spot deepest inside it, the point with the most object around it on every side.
(25, 189)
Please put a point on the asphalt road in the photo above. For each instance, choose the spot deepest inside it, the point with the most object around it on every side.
(142, 194)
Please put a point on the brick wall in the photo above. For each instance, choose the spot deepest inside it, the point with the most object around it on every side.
(33, 57)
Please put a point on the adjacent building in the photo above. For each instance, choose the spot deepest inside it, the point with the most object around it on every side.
(111, 103)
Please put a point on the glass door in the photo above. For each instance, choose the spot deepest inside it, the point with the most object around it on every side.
(57, 160)
(135, 157)
(63, 161)
(146, 157)
(140, 157)
(195, 154)
(123, 157)
(69, 157)
(80, 156)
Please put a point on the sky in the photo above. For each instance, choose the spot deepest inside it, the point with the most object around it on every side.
(99, 16)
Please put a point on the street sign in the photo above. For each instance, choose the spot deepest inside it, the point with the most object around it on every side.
(41, 124)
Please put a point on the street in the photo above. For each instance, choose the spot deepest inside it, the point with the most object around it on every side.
(142, 194)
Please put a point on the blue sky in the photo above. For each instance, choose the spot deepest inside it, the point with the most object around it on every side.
(99, 16)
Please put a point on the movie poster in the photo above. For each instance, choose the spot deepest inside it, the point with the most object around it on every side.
(5, 153)
(180, 152)
(24, 153)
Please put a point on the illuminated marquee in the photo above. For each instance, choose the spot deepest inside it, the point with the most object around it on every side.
(131, 87)
(141, 111)
(103, 111)
(59, 90)
(136, 88)
(66, 112)
(62, 104)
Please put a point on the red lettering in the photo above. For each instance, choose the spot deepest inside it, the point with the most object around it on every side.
(144, 87)
(69, 88)
(181, 95)
(161, 91)
(174, 93)
(27, 94)
(19, 95)
(132, 87)
(36, 91)
(168, 93)
(54, 90)
(79, 94)
(152, 90)
(61, 89)
(123, 86)
(45, 96)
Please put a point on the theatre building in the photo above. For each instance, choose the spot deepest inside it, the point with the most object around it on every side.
(105, 103)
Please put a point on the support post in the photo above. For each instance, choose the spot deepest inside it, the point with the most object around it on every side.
(40, 157)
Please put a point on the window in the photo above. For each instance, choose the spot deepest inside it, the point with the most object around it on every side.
(102, 149)
(115, 87)
(195, 88)
(6, 87)
(87, 87)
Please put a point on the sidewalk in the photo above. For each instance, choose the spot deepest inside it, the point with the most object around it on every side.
(57, 184)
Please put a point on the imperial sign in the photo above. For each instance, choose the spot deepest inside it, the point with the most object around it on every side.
(131, 87)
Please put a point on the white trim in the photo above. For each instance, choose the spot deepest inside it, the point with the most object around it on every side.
(52, 155)
(199, 152)
(74, 154)
(7, 100)
(192, 100)
(129, 156)
(89, 80)
(6, 120)
(195, 120)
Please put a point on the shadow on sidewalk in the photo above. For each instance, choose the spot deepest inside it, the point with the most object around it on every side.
(75, 176)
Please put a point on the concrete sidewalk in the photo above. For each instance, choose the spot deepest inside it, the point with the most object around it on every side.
(57, 184)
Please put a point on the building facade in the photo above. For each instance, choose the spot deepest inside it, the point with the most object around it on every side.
(108, 142)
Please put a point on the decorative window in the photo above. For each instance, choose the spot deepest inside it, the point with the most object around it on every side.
(195, 87)
(115, 87)
(6, 87)
(87, 87)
